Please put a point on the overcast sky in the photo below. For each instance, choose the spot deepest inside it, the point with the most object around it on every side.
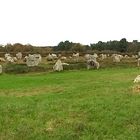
(47, 22)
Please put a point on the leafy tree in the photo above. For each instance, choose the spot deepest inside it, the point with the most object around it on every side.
(64, 46)
(123, 45)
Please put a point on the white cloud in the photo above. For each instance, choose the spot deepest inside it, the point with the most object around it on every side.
(47, 22)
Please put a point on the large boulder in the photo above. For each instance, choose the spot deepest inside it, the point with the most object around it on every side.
(91, 56)
(33, 60)
(117, 58)
(92, 64)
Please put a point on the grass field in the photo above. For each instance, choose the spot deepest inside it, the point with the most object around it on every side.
(70, 105)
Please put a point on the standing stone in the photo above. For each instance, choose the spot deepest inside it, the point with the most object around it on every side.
(0, 69)
(58, 66)
(19, 55)
(49, 57)
(138, 62)
(75, 56)
(38, 58)
(7, 55)
(92, 64)
(33, 60)
(30, 60)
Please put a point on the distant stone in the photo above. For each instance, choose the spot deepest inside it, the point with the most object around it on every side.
(75, 56)
(7, 55)
(0, 69)
(2, 59)
(33, 60)
(51, 57)
(58, 66)
(19, 55)
(137, 79)
(92, 64)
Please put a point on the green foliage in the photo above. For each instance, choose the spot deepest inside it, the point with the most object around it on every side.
(123, 45)
(16, 68)
(70, 46)
(119, 46)
(63, 46)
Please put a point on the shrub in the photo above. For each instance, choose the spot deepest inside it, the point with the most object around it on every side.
(22, 68)
(76, 66)
(16, 68)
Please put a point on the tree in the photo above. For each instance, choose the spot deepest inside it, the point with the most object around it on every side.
(78, 47)
(123, 45)
(17, 47)
(64, 46)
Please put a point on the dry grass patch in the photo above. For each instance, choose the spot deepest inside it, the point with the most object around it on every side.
(31, 91)
(136, 89)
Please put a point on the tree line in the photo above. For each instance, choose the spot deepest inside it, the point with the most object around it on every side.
(122, 46)
(25, 49)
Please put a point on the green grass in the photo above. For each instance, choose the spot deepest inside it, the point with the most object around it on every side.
(70, 105)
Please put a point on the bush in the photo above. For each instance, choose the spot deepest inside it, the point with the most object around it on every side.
(16, 68)
(76, 66)
(22, 68)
